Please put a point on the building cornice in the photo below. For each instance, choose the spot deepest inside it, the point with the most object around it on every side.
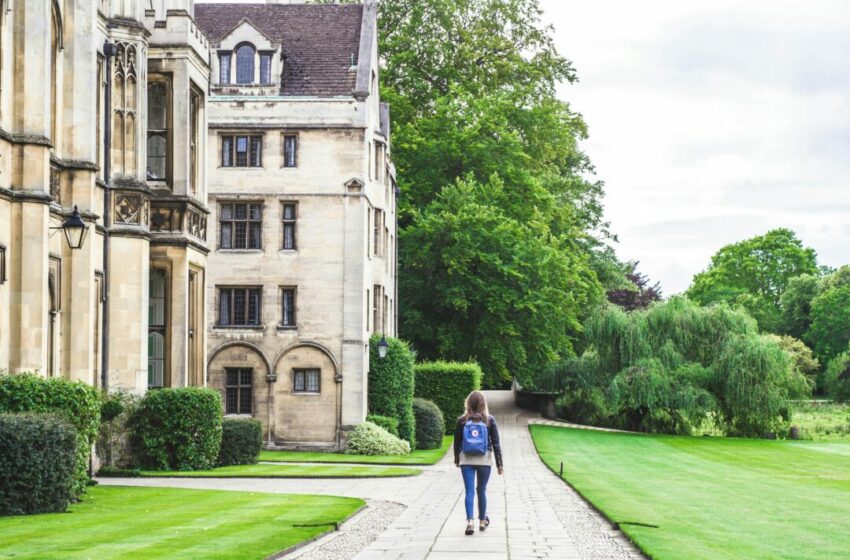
(283, 126)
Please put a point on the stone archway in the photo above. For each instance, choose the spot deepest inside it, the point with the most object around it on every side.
(240, 361)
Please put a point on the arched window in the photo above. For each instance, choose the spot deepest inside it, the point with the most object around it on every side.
(245, 64)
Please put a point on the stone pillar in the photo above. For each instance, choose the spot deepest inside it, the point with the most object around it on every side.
(354, 354)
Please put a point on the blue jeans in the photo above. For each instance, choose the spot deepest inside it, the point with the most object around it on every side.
(469, 472)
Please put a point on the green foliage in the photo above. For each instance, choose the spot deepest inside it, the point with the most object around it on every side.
(177, 429)
(796, 304)
(430, 425)
(113, 435)
(370, 439)
(829, 332)
(391, 385)
(241, 442)
(837, 377)
(447, 385)
(77, 402)
(802, 358)
(488, 281)
(38, 460)
(754, 274)
(388, 423)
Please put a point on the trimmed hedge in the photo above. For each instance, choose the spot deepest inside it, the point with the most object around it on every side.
(38, 459)
(447, 384)
(177, 429)
(388, 423)
(430, 425)
(77, 402)
(370, 439)
(241, 441)
(391, 385)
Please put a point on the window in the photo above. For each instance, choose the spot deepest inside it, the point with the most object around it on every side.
(369, 229)
(239, 307)
(288, 307)
(194, 120)
(156, 328)
(2, 264)
(241, 151)
(379, 161)
(265, 68)
(125, 105)
(306, 381)
(245, 64)
(289, 226)
(376, 308)
(157, 129)
(241, 226)
(290, 149)
(238, 390)
(379, 228)
(367, 310)
(224, 68)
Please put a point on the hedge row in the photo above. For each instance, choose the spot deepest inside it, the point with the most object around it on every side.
(241, 441)
(391, 385)
(447, 384)
(38, 459)
(430, 425)
(75, 401)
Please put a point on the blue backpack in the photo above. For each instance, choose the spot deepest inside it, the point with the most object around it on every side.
(476, 439)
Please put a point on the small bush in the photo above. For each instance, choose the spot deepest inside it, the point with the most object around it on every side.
(241, 441)
(38, 455)
(430, 425)
(386, 422)
(837, 377)
(447, 384)
(177, 429)
(370, 439)
(391, 385)
(77, 402)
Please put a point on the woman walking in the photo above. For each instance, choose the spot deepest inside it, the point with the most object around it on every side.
(476, 442)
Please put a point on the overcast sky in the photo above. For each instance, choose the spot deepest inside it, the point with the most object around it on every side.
(713, 121)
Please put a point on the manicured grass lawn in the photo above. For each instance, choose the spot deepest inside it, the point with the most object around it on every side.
(288, 471)
(418, 457)
(118, 522)
(711, 498)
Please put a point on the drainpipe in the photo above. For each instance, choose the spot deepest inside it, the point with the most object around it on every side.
(108, 52)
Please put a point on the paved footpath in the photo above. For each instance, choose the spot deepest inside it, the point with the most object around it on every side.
(534, 514)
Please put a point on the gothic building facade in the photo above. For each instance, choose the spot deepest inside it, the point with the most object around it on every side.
(103, 110)
(231, 165)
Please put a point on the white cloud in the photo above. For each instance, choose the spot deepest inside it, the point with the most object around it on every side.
(713, 121)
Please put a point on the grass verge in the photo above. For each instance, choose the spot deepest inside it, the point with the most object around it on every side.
(711, 498)
(418, 457)
(288, 471)
(120, 522)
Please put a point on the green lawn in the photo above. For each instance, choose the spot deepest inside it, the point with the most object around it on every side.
(289, 471)
(418, 457)
(711, 498)
(117, 522)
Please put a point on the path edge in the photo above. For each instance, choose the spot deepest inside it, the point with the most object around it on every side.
(302, 544)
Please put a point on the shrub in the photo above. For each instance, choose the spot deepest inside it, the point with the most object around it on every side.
(241, 441)
(837, 377)
(38, 458)
(370, 439)
(447, 384)
(386, 422)
(391, 385)
(77, 402)
(177, 429)
(430, 425)
(113, 441)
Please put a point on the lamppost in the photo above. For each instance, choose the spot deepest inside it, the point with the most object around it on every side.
(383, 346)
(75, 230)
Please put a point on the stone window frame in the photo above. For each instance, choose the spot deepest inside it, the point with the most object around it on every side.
(239, 386)
(196, 108)
(3, 264)
(229, 56)
(164, 79)
(291, 222)
(268, 56)
(287, 162)
(249, 222)
(254, 64)
(294, 311)
(247, 289)
(253, 140)
(305, 384)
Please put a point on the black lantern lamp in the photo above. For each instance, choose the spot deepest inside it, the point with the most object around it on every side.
(75, 230)
(383, 346)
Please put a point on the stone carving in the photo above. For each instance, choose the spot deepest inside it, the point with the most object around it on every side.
(166, 219)
(197, 225)
(129, 209)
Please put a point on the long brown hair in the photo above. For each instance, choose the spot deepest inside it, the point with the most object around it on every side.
(476, 404)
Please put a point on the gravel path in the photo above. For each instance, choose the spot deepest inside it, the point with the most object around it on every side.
(534, 514)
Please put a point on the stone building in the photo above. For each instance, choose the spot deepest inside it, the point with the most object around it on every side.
(303, 211)
(103, 108)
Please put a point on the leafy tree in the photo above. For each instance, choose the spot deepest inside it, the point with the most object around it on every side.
(638, 294)
(829, 332)
(837, 377)
(488, 281)
(754, 274)
(796, 304)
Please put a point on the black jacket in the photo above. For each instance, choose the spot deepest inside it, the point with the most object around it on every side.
(493, 433)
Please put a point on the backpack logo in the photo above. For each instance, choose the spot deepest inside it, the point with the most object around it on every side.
(476, 439)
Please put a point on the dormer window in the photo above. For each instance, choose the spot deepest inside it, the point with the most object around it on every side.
(245, 64)
(265, 68)
(224, 68)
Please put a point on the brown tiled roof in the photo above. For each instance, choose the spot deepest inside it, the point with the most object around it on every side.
(318, 40)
